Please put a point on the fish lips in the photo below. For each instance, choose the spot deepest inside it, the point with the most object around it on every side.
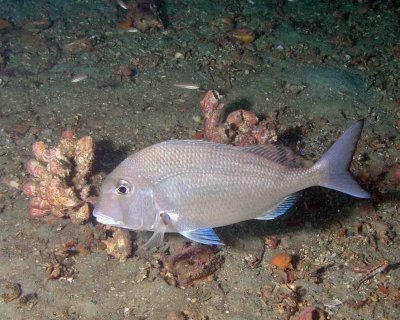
(104, 219)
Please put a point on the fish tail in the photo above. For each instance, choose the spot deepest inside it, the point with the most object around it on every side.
(334, 164)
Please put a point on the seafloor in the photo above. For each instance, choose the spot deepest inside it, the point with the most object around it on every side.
(315, 67)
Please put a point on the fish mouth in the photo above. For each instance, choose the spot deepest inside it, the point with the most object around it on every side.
(104, 219)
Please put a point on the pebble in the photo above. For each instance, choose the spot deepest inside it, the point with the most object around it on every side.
(11, 182)
(47, 133)
(197, 119)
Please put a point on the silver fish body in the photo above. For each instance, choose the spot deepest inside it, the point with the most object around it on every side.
(191, 186)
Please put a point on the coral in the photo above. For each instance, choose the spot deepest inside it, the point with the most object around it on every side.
(59, 176)
(241, 127)
(282, 261)
(120, 244)
(143, 15)
(190, 264)
(211, 108)
(126, 24)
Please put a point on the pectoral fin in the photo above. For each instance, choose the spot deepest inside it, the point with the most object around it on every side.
(203, 235)
(157, 239)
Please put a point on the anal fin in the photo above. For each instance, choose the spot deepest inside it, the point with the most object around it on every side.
(281, 207)
(202, 235)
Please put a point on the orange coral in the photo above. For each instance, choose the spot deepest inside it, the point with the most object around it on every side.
(125, 25)
(211, 107)
(282, 261)
(142, 15)
(59, 178)
(241, 127)
(145, 15)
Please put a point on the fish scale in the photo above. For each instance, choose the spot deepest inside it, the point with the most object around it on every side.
(191, 186)
(229, 188)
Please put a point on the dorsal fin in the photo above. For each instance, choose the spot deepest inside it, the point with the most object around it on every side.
(276, 153)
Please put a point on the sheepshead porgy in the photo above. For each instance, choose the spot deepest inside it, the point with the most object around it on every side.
(191, 186)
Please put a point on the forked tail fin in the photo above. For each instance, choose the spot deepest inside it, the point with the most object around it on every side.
(335, 163)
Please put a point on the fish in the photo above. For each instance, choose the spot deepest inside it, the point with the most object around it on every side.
(78, 77)
(122, 4)
(189, 86)
(192, 186)
(132, 30)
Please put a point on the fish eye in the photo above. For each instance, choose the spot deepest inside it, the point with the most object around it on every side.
(124, 187)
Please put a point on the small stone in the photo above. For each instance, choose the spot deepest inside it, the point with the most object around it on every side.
(120, 245)
(272, 243)
(178, 56)
(11, 182)
(197, 119)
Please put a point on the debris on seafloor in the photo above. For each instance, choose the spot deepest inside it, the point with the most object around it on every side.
(2, 59)
(272, 242)
(384, 232)
(78, 45)
(120, 244)
(190, 264)
(241, 128)
(178, 315)
(372, 233)
(228, 22)
(244, 35)
(29, 300)
(285, 297)
(313, 313)
(36, 25)
(10, 290)
(142, 15)
(60, 265)
(315, 274)
(59, 178)
(125, 72)
(372, 272)
(4, 24)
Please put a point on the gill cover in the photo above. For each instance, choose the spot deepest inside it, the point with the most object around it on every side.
(141, 206)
